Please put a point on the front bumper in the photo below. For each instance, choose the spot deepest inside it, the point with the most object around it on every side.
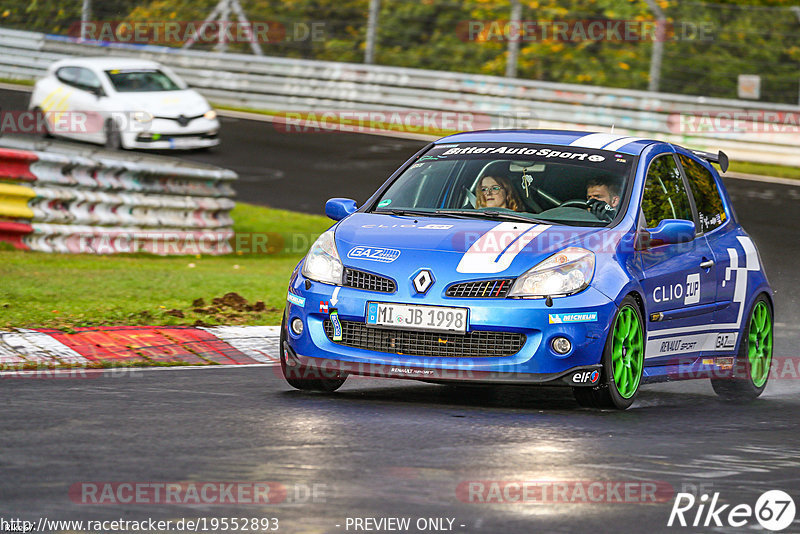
(535, 362)
(164, 134)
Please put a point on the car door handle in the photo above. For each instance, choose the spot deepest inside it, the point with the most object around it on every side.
(707, 264)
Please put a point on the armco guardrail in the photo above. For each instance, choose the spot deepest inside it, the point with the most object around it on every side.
(264, 82)
(58, 200)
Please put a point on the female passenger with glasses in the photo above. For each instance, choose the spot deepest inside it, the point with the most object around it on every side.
(497, 192)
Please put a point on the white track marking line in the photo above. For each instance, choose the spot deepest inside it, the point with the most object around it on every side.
(118, 372)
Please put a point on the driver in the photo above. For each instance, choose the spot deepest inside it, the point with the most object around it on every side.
(602, 196)
(496, 192)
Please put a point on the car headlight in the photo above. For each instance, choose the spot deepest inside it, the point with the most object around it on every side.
(322, 261)
(563, 273)
(210, 114)
(142, 116)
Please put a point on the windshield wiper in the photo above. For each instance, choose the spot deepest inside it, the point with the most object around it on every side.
(403, 211)
(417, 213)
(493, 214)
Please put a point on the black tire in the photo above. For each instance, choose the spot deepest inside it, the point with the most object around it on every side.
(307, 378)
(113, 137)
(607, 395)
(740, 387)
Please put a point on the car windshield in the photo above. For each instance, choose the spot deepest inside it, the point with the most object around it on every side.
(141, 80)
(562, 184)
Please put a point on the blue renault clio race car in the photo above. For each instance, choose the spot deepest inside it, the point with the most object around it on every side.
(589, 260)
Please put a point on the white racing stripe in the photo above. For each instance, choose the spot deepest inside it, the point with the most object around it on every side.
(619, 143)
(596, 140)
(496, 249)
(707, 342)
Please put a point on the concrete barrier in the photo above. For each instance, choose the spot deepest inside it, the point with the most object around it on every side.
(101, 203)
(747, 130)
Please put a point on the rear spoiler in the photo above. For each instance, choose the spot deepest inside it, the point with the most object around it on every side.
(720, 158)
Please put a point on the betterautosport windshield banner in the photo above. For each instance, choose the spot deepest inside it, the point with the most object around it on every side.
(615, 162)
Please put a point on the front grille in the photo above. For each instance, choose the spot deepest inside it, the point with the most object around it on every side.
(149, 138)
(481, 289)
(368, 281)
(475, 344)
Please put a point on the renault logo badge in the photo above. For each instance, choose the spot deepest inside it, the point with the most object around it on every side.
(423, 281)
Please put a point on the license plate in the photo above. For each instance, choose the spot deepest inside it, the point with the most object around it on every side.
(182, 142)
(410, 316)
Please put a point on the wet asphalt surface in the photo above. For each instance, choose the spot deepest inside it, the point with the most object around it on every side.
(387, 448)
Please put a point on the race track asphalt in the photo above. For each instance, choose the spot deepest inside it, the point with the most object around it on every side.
(387, 448)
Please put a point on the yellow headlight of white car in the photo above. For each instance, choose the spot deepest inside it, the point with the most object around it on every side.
(210, 114)
(142, 116)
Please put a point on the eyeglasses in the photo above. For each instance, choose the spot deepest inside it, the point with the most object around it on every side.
(494, 189)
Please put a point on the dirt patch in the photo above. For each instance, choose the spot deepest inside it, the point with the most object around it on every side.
(231, 308)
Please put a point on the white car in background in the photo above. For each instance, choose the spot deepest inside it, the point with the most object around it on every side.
(123, 103)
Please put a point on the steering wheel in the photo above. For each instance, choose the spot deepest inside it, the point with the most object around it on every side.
(574, 203)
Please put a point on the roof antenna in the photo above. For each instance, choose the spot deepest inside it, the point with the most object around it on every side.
(612, 127)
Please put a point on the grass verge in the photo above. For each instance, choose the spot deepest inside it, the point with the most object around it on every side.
(763, 169)
(70, 290)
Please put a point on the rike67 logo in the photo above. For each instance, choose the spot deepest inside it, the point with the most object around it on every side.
(774, 510)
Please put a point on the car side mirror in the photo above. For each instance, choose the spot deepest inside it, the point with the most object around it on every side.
(669, 232)
(339, 208)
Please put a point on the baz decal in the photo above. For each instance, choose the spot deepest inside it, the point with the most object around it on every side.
(296, 299)
(726, 341)
(383, 255)
(690, 292)
(521, 151)
(558, 318)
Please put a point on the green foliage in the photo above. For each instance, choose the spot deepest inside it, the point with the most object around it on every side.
(707, 44)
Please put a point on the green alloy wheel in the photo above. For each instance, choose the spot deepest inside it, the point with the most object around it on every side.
(623, 362)
(753, 363)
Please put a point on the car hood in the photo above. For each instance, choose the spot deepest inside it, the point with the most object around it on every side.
(456, 249)
(187, 102)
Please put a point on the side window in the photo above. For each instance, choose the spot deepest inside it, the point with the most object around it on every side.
(706, 195)
(665, 196)
(88, 79)
(68, 75)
